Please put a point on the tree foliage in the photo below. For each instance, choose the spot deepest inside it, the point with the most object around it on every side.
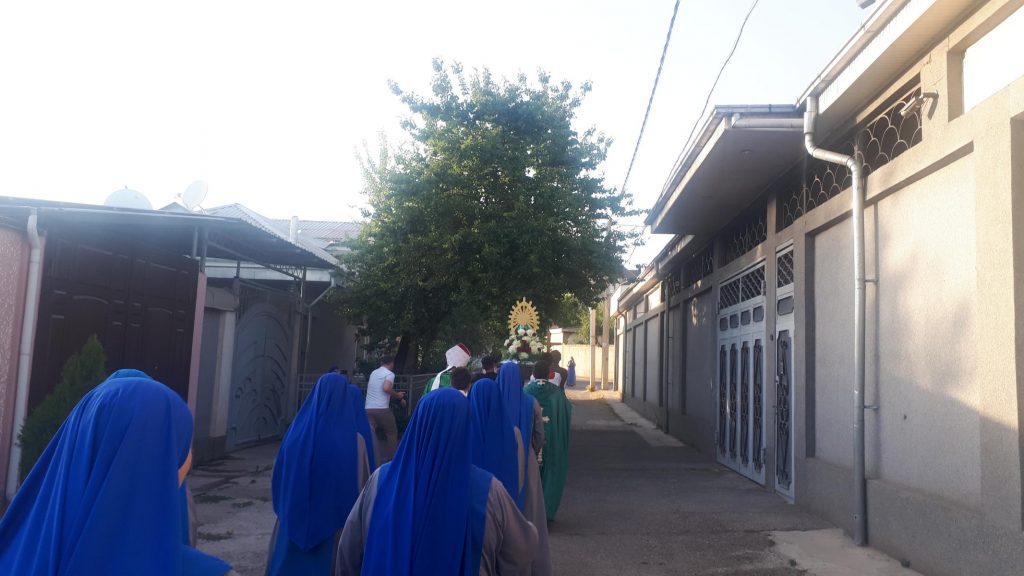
(82, 372)
(496, 196)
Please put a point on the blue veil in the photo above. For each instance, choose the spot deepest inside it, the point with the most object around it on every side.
(315, 480)
(518, 404)
(428, 516)
(103, 497)
(492, 438)
(186, 537)
(128, 373)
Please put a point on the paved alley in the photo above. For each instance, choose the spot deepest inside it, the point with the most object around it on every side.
(637, 503)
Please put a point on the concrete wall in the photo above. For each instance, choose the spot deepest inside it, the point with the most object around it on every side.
(652, 380)
(945, 225)
(700, 414)
(14, 263)
(214, 387)
(581, 352)
(922, 319)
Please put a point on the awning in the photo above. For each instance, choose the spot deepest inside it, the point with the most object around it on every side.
(738, 154)
(225, 238)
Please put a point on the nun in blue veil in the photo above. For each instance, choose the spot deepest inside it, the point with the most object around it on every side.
(188, 522)
(322, 464)
(103, 497)
(430, 511)
(495, 444)
(525, 412)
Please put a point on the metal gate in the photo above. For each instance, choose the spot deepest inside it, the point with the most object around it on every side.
(260, 371)
(741, 367)
(784, 405)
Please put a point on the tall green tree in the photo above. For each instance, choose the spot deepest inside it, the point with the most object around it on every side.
(495, 196)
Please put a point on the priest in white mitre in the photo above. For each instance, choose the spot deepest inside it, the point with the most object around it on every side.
(458, 356)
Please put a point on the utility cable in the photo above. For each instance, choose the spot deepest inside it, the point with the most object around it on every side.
(650, 101)
(739, 35)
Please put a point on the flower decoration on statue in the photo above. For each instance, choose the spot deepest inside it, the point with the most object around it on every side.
(524, 341)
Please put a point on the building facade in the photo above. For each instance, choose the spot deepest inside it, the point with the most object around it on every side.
(739, 337)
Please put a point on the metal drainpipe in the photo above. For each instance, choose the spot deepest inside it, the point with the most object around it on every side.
(860, 536)
(28, 336)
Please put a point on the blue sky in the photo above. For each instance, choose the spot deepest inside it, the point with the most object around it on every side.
(268, 101)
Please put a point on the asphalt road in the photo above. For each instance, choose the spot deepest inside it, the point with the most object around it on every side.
(635, 508)
(637, 503)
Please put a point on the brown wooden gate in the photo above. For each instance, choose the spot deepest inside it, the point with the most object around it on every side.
(137, 298)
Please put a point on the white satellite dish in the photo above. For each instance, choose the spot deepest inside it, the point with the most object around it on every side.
(128, 198)
(194, 195)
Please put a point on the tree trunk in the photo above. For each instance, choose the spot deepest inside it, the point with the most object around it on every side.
(405, 352)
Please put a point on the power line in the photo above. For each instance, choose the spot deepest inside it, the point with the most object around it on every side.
(650, 101)
(707, 100)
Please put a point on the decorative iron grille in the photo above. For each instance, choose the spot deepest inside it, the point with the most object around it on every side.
(729, 294)
(758, 439)
(746, 233)
(744, 403)
(874, 144)
(723, 386)
(890, 133)
(783, 428)
(752, 284)
(785, 275)
(732, 401)
(700, 266)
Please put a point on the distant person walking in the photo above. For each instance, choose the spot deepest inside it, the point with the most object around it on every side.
(489, 365)
(561, 374)
(324, 461)
(380, 389)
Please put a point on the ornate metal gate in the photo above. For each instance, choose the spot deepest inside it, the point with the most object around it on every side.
(741, 337)
(784, 325)
(260, 371)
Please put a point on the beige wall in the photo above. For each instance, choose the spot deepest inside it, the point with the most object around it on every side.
(581, 352)
(921, 331)
(14, 264)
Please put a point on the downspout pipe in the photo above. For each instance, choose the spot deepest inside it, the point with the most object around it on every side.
(860, 536)
(309, 320)
(28, 336)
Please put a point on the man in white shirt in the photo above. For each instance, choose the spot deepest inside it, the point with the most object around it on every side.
(380, 389)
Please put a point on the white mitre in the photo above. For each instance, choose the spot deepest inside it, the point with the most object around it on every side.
(457, 357)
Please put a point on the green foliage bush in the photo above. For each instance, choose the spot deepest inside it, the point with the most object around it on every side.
(82, 372)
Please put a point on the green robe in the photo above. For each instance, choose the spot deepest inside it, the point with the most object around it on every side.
(555, 455)
(446, 381)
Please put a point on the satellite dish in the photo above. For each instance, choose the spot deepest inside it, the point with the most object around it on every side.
(128, 198)
(194, 195)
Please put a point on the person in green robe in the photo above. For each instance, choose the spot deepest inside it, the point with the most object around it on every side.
(557, 414)
(457, 356)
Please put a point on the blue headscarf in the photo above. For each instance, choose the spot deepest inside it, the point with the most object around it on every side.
(186, 535)
(518, 404)
(428, 516)
(103, 497)
(128, 373)
(315, 480)
(492, 437)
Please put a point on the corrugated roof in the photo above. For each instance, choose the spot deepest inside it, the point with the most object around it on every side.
(233, 234)
(270, 225)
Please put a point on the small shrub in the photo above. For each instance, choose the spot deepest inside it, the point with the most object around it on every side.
(82, 372)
